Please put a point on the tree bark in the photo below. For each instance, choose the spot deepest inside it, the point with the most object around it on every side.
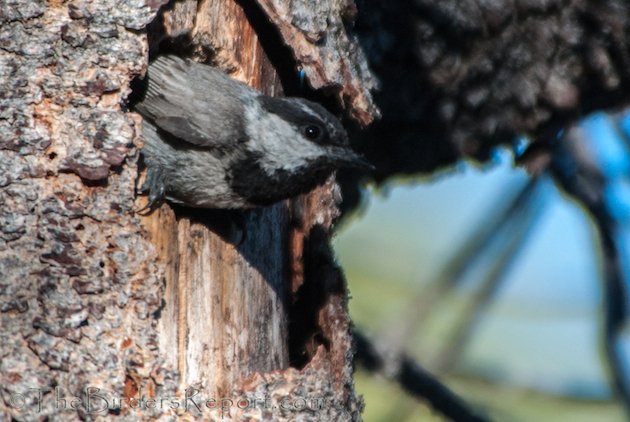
(106, 314)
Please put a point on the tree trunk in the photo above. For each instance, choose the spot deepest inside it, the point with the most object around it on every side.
(104, 313)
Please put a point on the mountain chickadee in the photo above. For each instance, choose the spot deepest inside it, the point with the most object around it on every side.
(214, 142)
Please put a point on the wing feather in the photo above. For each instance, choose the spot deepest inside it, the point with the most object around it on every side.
(194, 102)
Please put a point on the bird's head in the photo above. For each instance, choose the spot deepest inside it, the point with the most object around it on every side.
(298, 133)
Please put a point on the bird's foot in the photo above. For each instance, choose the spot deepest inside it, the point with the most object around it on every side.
(155, 187)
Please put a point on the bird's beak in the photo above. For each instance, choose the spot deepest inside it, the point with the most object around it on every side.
(345, 157)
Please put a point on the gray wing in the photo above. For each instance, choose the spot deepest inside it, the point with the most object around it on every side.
(195, 102)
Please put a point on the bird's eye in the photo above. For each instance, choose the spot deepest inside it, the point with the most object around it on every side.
(312, 131)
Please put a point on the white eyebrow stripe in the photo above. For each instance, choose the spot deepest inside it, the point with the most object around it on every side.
(309, 110)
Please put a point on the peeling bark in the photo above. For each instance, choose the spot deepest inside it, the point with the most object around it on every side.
(307, 359)
(327, 53)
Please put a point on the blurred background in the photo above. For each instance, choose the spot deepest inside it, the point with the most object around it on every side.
(495, 280)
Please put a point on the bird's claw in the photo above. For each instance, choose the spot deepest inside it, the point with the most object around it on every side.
(153, 186)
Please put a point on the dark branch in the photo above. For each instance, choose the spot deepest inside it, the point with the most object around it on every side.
(414, 380)
(579, 176)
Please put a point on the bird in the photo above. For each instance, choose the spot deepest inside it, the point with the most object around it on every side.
(211, 141)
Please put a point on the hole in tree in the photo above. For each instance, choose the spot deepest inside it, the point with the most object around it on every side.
(321, 282)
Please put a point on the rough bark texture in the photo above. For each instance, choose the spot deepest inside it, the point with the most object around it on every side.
(461, 76)
(93, 296)
(328, 54)
(78, 281)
